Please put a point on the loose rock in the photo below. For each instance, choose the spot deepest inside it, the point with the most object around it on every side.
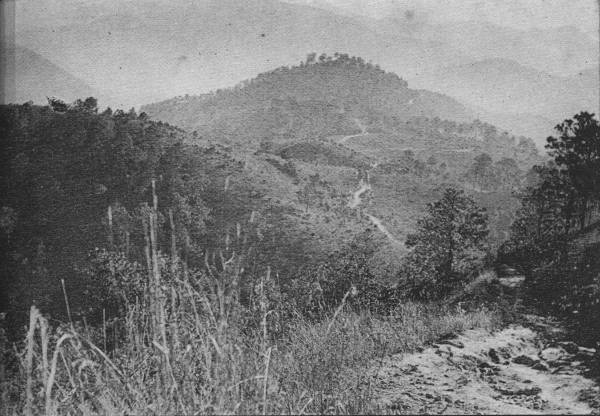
(525, 360)
(539, 367)
(494, 356)
(569, 347)
(553, 354)
(453, 343)
(519, 391)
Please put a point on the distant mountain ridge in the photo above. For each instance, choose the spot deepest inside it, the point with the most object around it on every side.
(496, 86)
(38, 78)
(143, 51)
(322, 96)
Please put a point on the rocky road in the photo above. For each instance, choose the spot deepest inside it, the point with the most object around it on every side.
(517, 370)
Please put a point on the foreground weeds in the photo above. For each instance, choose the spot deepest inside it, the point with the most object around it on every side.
(192, 357)
(185, 344)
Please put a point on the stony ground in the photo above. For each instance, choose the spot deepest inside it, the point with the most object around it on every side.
(519, 370)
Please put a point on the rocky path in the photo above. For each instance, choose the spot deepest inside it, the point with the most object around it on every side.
(513, 371)
(377, 223)
(363, 132)
(364, 186)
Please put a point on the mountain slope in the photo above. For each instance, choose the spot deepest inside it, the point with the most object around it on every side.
(318, 98)
(38, 78)
(145, 50)
(505, 85)
(141, 51)
(559, 51)
(346, 146)
(498, 89)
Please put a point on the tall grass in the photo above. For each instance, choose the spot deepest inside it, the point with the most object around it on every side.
(186, 345)
(208, 364)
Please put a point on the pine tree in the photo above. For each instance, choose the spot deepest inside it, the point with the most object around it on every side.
(446, 248)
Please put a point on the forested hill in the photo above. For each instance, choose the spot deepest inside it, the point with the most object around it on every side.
(318, 98)
(320, 155)
(76, 180)
(308, 133)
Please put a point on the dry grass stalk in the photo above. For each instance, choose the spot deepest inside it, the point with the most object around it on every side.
(33, 317)
(64, 290)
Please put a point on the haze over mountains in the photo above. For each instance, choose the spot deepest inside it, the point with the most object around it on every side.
(141, 51)
(39, 78)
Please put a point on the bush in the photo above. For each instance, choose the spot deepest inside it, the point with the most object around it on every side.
(345, 275)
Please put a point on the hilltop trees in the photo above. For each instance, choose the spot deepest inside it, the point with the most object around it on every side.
(447, 247)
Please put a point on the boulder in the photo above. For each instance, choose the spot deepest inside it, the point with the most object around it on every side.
(569, 347)
(525, 360)
(453, 343)
(519, 390)
(539, 367)
(553, 354)
(590, 352)
(494, 356)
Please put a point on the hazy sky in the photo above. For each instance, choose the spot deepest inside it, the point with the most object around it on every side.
(515, 13)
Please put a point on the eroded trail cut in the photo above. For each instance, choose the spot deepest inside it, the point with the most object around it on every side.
(363, 132)
(363, 187)
(512, 371)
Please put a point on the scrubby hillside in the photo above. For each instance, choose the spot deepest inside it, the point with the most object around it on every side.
(319, 98)
(316, 133)
(38, 78)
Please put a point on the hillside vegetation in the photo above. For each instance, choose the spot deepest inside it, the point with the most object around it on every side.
(318, 98)
(338, 117)
(256, 249)
(162, 275)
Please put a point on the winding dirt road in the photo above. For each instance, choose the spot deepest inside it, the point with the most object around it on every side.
(356, 196)
(363, 187)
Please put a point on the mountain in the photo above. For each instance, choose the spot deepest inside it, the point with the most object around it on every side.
(345, 146)
(38, 78)
(320, 97)
(560, 51)
(146, 50)
(484, 31)
(141, 51)
(500, 89)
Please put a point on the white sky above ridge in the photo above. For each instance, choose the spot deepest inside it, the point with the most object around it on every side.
(524, 14)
